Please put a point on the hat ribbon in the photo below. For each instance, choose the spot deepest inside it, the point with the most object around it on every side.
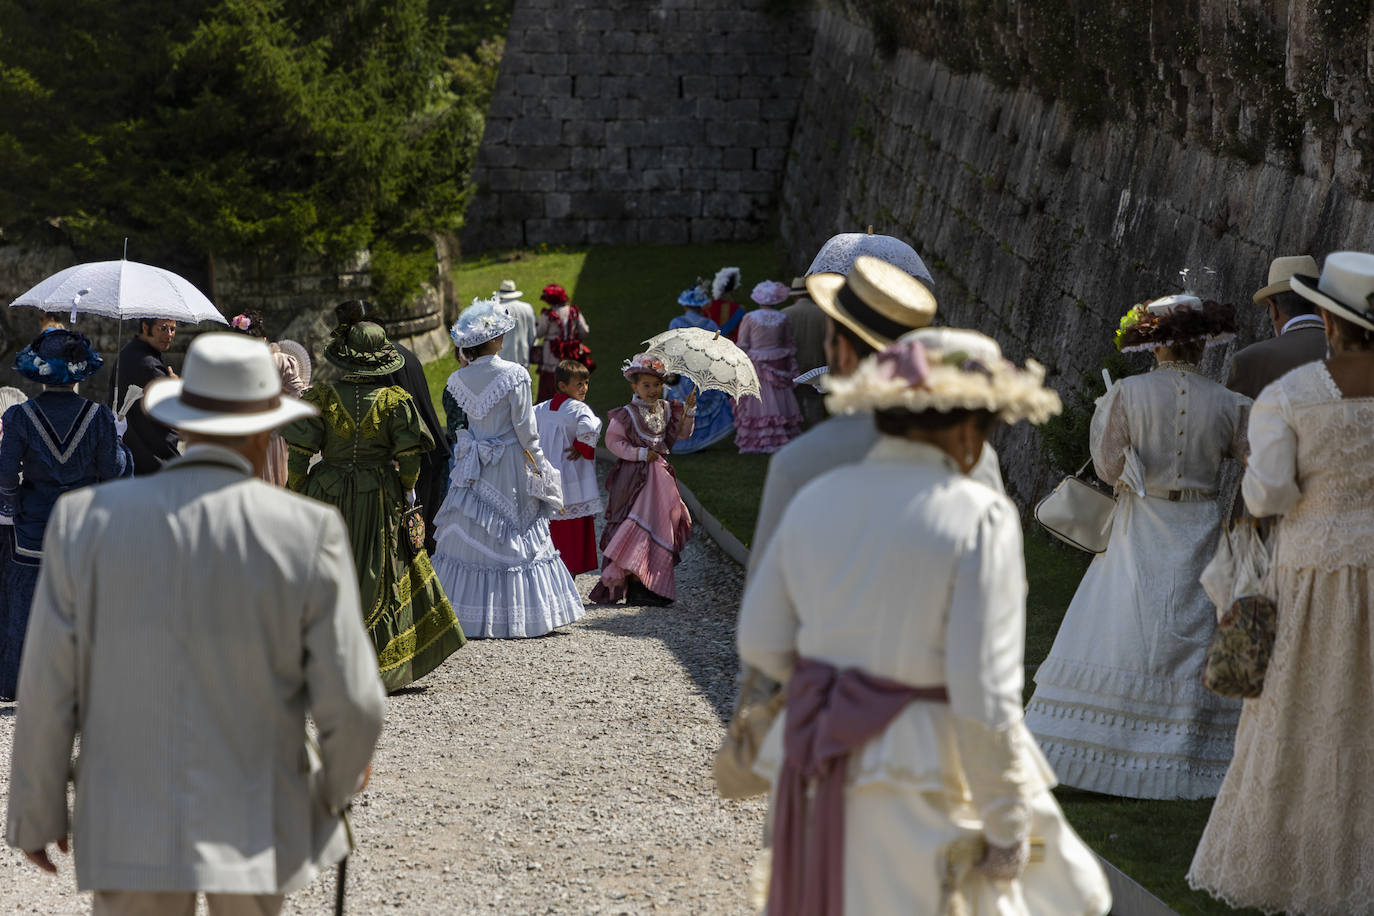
(223, 405)
(865, 314)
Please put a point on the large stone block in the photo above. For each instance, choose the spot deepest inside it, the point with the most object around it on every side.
(670, 231)
(587, 63)
(502, 179)
(557, 205)
(737, 159)
(541, 181)
(659, 179)
(549, 64)
(699, 179)
(536, 132)
(540, 41)
(646, 157)
(584, 133)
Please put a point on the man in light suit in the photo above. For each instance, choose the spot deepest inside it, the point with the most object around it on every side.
(189, 680)
(1299, 335)
(518, 347)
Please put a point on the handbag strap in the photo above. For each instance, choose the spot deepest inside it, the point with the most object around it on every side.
(1085, 466)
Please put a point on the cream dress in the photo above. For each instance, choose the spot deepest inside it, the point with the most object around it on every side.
(1119, 706)
(1293, 827)
(906, 568)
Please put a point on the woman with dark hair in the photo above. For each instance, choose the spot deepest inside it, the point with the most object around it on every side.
(1290, 828)
(369, 437)
(53, 443)
(1119, 706)
(293, 365)
(891, 602)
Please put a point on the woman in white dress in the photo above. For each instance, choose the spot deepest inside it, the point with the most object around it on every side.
(892, 604)
(493, 553)
(1291, 828)
(1119, 706)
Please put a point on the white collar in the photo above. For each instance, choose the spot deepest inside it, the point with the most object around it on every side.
(908, 451)
(1300, 319)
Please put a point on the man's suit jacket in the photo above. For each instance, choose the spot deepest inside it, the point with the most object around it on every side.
(184, 624)
(1261, 363)
(151, 443)
(519, 342)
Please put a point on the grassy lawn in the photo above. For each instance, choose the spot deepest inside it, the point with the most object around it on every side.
(628, 294)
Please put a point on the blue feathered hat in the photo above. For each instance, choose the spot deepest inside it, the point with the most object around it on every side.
(694, 297)
(58, 357)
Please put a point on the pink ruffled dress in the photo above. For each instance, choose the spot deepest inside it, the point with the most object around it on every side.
(772, 420)
(647, 524)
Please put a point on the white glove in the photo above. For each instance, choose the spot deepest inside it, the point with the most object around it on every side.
(410, 497)
(120, 426)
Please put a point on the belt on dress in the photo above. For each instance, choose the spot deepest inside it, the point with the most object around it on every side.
(1185, 495)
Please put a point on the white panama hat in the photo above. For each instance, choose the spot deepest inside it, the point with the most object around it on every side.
(508, 291)
(1281, 272)
(1345, 287)
(229, 387)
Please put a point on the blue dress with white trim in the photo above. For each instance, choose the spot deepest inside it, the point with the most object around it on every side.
(56, 442)
(715, 417)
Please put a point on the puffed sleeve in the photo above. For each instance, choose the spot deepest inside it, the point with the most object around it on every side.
(1109, 436)
(522, 418)
(292, 382)
(619, 443)
(984, 665)
(746, 334)
(304, 437)
(1270, 485)
(409, 438)
(768, 623)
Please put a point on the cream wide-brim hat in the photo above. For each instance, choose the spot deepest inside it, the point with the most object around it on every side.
(1345, 287)
(229, 386)
(508, 291)
(967, 371)
(1281, 271)
(877, 300)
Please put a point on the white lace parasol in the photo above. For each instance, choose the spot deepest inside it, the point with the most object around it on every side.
(709, 360)
(837, 255)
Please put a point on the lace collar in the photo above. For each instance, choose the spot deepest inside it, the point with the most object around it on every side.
(481, 384)
(651, 419)
(1178, 365)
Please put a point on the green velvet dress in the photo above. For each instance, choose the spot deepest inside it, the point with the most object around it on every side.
(364, 469)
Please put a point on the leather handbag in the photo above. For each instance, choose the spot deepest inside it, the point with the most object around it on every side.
(413, 529)
(1078, 513)
(734, 765)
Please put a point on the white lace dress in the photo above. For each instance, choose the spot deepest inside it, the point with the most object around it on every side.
(1293, 827)
(492, 551)
(1119, 706)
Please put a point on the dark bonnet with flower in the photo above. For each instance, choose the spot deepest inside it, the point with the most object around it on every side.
(1142, 328)
(58, 357)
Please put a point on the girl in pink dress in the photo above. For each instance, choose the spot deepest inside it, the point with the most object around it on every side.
(767, 423)
(646, 521)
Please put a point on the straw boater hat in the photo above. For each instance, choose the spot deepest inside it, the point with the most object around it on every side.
(364, 350)
(945, 369)
(799, 286)
(58, 357)
(484, 320)
(1281, 271)
(878, 301)
(1174, 320)
(1345, 287)
(229, 386)
(508, 291)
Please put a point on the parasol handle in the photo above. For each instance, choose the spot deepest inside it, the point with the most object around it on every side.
(717, 337)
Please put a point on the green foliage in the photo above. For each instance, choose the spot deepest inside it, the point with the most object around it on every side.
(1064, 439)
(398, 269)
(236, 126)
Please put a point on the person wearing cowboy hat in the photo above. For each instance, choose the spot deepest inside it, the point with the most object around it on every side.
(1119, 707)
(867, 309)
(185, 626)
(370, 439)
(56, 442)
(891, 601)
(1299, 336)
(518, 346)
(495, 556)
(1289, 831)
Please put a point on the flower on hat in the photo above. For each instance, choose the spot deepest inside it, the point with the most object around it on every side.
(1128, 321)
(694, 297)
(242, 322)
(643, 363)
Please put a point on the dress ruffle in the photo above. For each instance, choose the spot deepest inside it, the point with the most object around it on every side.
(498, 601)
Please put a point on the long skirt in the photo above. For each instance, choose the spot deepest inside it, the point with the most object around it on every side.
(575, 541)
(647, 525)
(773, 419)
(405, 610)
(17, 584)
(1290, 829)
(1119, 707)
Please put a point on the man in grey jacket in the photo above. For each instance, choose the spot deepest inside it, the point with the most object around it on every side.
(184, 625)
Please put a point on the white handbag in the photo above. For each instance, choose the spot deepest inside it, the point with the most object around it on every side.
(1078, 513)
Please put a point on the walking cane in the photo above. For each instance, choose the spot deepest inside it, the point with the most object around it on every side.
(341, 884)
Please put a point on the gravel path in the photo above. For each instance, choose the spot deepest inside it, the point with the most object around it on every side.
(566, 774)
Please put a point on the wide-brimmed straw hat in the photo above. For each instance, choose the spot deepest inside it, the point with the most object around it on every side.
(508, 291)
(1281, 271)
(484, 320)
(364, 350)
(229, 386)
(945, 369)
(1345, 287)
(878, 301)
(58, 356)
(1173, 320)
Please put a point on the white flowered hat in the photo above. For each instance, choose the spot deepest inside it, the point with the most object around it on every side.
(484, 320)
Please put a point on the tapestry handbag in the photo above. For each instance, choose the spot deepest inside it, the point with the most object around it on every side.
(1238, 655)
(413, 529)
(758, 708)
(1078, 513)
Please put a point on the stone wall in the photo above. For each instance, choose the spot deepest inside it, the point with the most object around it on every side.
(617, 121)
(1039, 230)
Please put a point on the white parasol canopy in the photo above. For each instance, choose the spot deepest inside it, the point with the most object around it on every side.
(121, 289)
(709, 360)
